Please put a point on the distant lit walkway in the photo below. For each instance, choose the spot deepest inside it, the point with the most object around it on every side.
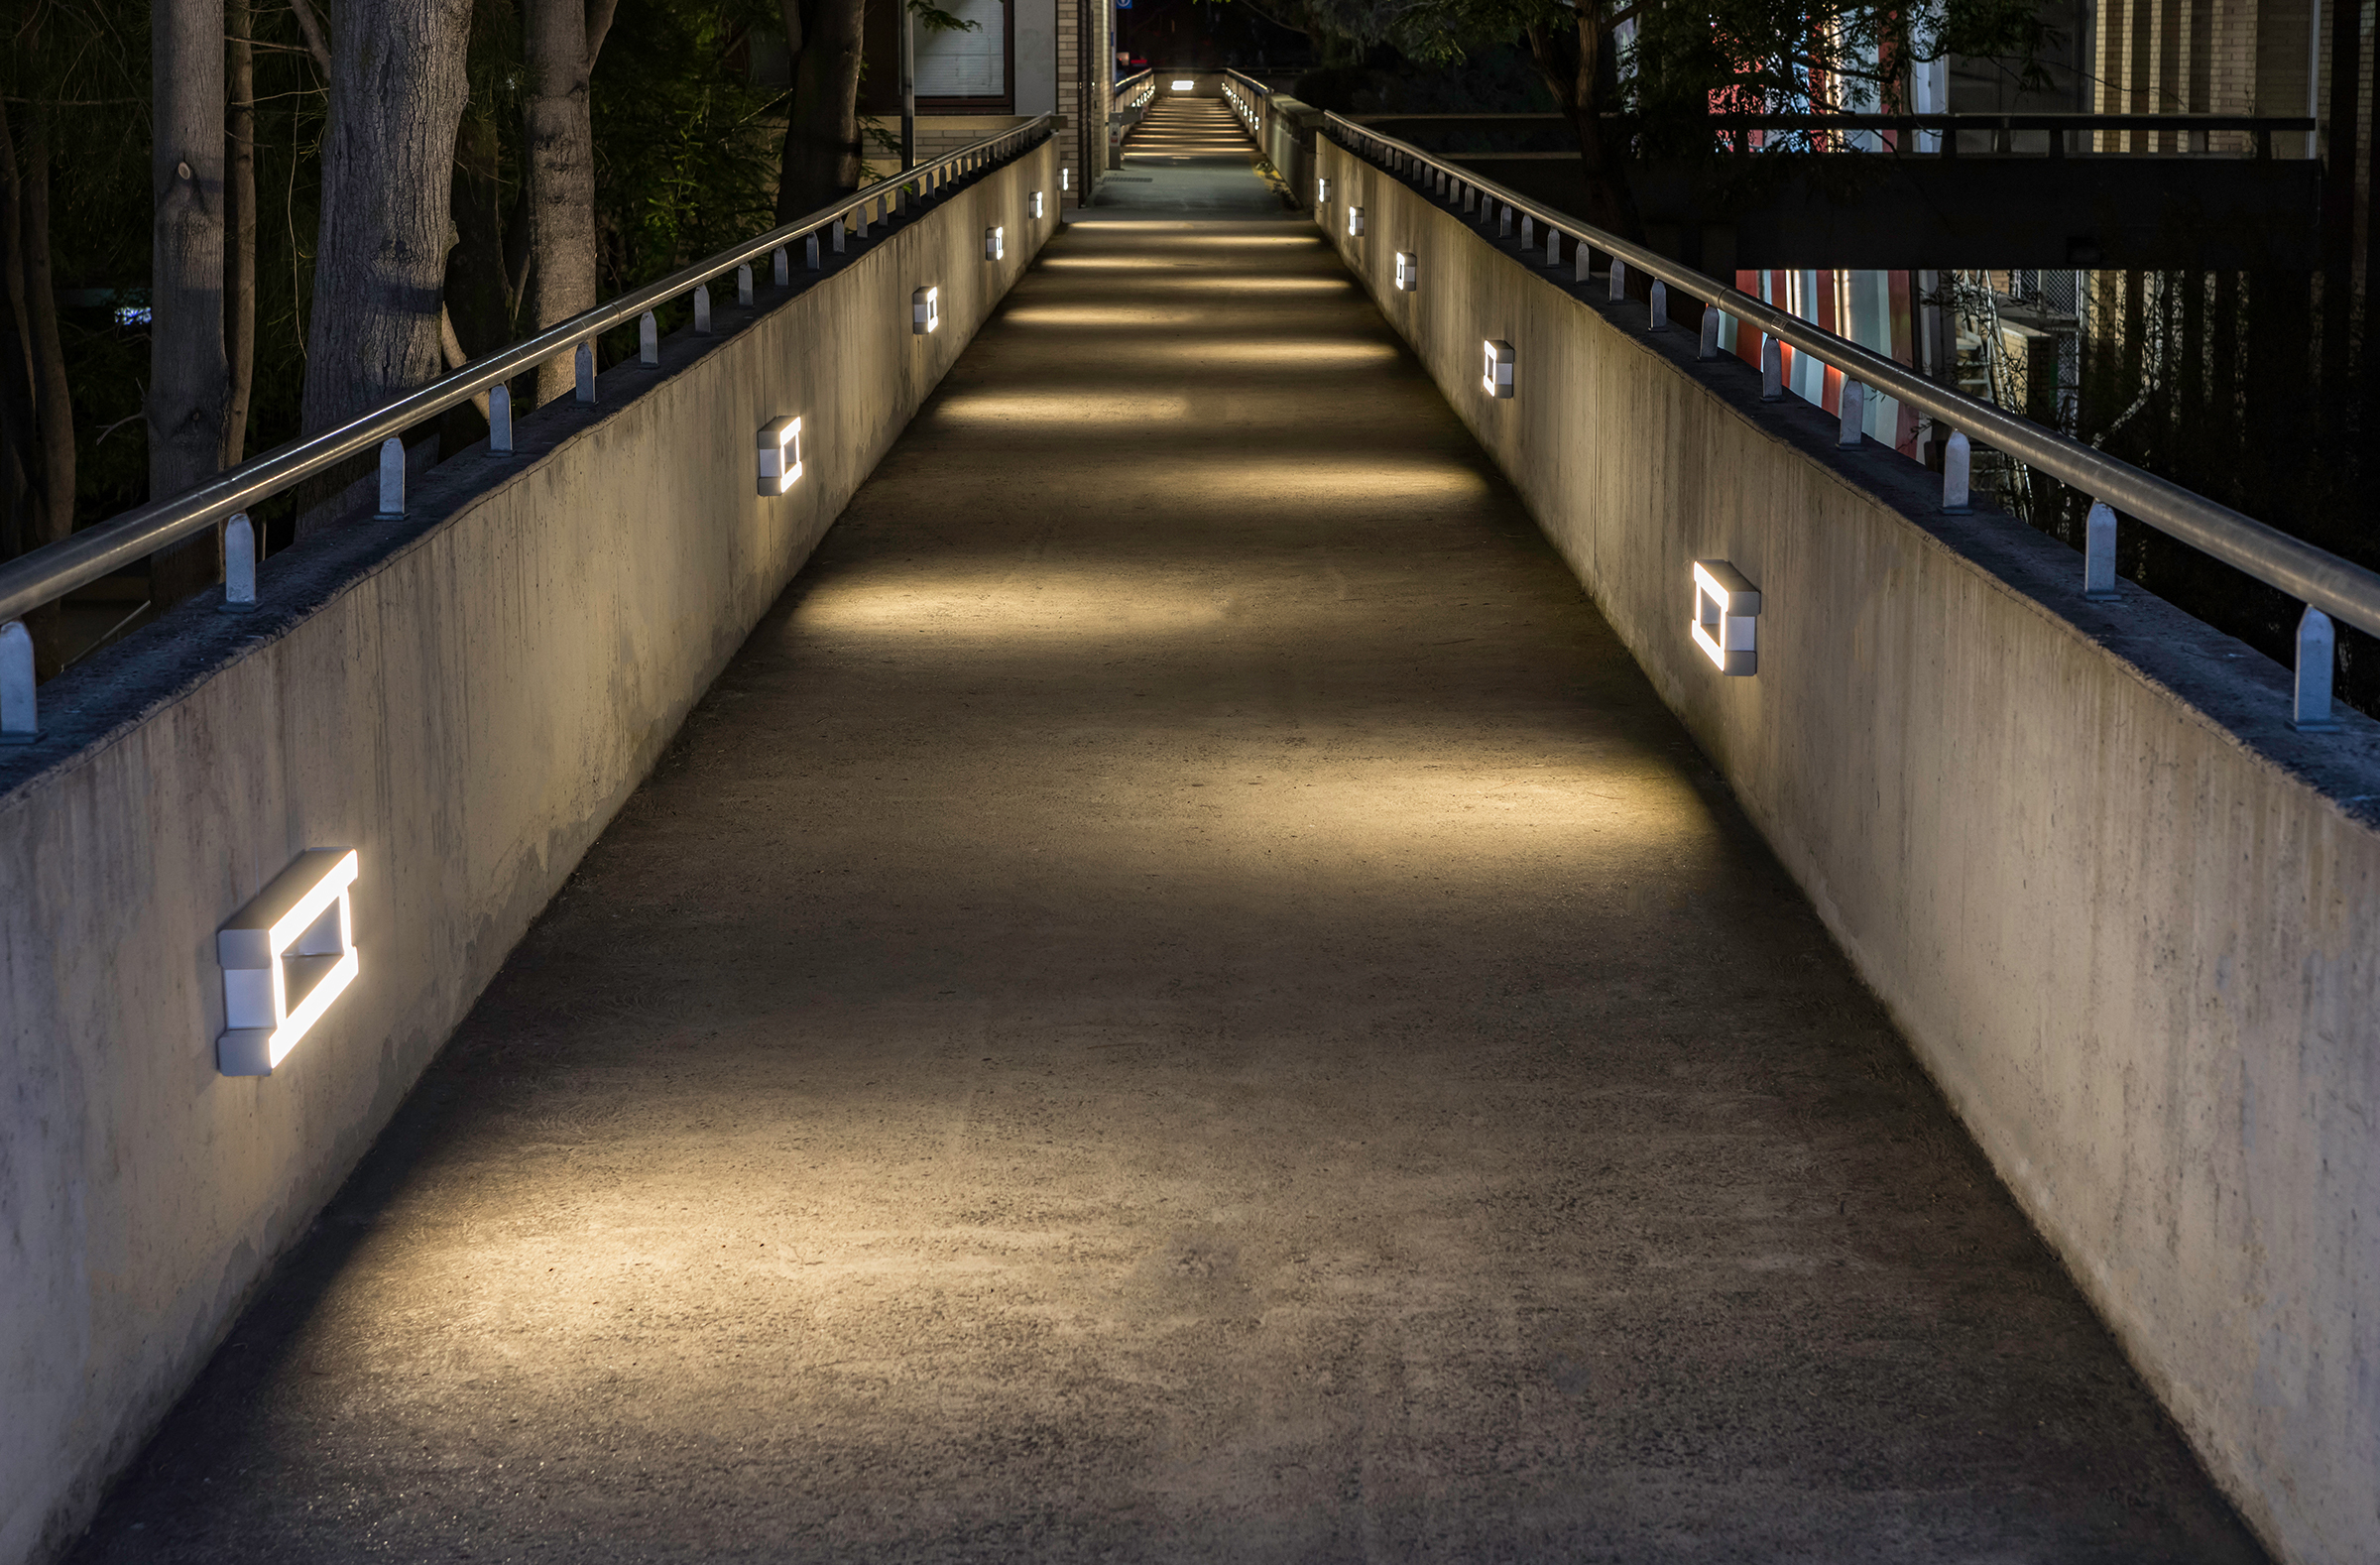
(1182, 1000)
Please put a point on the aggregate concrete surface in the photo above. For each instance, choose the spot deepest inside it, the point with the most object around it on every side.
(1182, 1000)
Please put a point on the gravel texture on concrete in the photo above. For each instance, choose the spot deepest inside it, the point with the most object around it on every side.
(1181, 1001)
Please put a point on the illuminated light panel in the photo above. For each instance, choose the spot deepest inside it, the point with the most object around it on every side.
(1726, 605)
(780, 455)
(286, 957)
(996, 243)
(1033, 205)
(1184, 86)
(1496, 379)
(1322, 192)
(925, 310)
(1408, 272)
(1355, 222)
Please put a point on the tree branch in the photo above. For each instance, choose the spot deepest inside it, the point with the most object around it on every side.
(1286, 27)
(599, 26)
(315, 44)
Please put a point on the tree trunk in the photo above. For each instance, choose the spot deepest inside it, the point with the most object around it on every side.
(558, 177)
(189, 373)
(821, 158)
(1574, 75)
(54, 400)
(396, 91)
(239, 260)
(19, 437)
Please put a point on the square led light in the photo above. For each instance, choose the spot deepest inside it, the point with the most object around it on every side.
(995, 242)
(1355, 222)
(780, 455)
(1724, 607)
(1498, 381)
(286, 957)
(1184, 86)
(1033, 205)
(925, 310)
(1408, 270)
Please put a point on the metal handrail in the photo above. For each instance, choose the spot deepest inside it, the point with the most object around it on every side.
(1143, 74)
(2313, 576)
(1935, 122)
(55, 569)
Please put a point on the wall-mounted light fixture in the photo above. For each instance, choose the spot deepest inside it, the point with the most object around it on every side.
(780, 455)
(286, 957)
(1065, 178)
(1724, 607)
(1322, 192)
(1497, 380)
(1408, 270)
(1355, 222)
(1185, 87)
(1033, 205)
(995, 242)
(925, 310)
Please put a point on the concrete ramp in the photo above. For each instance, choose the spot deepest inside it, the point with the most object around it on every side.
(1182, 998)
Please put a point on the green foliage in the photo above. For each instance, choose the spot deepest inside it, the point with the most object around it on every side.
(683, 166)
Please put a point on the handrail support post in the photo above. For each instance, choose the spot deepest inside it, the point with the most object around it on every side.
(1957, 459)
(2098, 554)
(239, 564)
(2318, 640)
(19, 715)
(391, 478)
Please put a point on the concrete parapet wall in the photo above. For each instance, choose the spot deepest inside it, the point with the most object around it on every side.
(2127, 917)
(465, 698)
(1285, 133)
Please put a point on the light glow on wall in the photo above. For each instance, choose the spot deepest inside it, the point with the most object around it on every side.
(1064, 409)
(1497, 380)
(1724, 607)
(925, 310)
(1408, 272)
(286, 957)
(780, 455)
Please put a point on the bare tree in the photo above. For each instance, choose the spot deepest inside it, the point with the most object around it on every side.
(239, 262)
(397, 92)
(821, 158)
(189, 373)
(559, 183)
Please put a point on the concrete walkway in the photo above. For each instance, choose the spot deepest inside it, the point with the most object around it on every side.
(1181, 1001)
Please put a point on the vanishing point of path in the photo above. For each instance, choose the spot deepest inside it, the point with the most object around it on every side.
(1182, 1000)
